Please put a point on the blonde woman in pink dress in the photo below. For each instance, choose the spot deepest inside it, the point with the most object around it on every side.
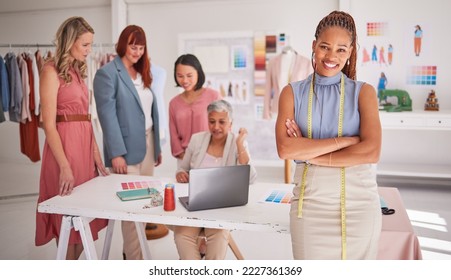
(71, 155)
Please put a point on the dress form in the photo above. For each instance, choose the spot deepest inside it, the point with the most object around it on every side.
(286, 67)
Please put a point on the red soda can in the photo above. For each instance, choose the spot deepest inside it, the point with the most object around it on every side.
(169, 198)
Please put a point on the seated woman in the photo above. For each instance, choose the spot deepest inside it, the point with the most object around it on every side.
(216, 147)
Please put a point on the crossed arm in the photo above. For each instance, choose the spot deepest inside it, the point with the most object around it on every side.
(334, 152)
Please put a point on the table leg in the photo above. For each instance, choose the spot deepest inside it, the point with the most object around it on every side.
(82, 225)
(287, 171)
(143, 240)
(108, 238)
(66, 226)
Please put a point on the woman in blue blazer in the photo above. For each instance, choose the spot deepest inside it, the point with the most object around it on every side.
(128, 114)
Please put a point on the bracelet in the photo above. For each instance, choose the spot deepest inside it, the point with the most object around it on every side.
(330, 159)
(336, 142)
(242, 152)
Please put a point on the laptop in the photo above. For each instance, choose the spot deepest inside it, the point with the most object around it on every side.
(217, 187)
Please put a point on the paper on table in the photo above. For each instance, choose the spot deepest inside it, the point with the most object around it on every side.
(277, 196)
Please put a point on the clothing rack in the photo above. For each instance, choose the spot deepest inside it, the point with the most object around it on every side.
(25, 45)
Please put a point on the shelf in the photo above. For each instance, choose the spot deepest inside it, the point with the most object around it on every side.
(419, 120)
(415, 170)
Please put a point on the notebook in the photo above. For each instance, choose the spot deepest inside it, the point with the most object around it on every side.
(217, 187)
(136, 194)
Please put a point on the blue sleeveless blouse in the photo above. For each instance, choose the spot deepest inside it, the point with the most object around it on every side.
(326, 104)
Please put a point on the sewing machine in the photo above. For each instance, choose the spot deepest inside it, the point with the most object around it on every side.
(404, 102)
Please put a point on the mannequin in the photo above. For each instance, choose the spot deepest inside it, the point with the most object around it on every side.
(288, 66)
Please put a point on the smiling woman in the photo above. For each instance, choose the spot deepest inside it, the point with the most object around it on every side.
(187, 110)
(128, 114)
(329, 124)
(216, 147)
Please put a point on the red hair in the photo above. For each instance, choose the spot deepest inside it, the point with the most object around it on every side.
(135, 35)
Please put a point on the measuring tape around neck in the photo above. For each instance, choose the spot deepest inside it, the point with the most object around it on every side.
(342, 169)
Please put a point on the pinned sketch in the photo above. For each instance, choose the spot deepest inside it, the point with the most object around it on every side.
(417, 40)
(234, 91)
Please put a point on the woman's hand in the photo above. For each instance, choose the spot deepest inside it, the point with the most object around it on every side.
(242, 134)
(159, 160)
(181, 155)
(99, 164)
(292, 128)
(66, 181)
(182, 177)
(119, 165)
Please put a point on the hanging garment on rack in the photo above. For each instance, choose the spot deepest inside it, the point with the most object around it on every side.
(298, 69)
(15, 87)
(35, 71)
(25, 114)
(4, 90)
(39, 60)
(29, 138)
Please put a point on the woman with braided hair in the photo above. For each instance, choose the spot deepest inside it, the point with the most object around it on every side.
(329, 124)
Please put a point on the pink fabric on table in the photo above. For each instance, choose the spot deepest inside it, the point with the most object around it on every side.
(398, 240)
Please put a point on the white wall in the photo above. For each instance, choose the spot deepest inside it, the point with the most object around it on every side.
(407, 147)
(40, 26)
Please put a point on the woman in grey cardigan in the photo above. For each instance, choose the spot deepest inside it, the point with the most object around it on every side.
(216, 147)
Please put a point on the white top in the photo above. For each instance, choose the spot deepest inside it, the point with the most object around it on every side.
(210, 161)
(146, 97)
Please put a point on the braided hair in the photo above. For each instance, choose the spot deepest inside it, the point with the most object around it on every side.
(343, 20)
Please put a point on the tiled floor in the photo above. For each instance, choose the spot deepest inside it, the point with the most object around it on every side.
(428, 206)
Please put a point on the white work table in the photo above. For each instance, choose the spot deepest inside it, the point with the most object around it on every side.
(97, 199)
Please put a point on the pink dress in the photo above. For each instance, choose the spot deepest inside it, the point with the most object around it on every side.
(186, 119)
(77, 139)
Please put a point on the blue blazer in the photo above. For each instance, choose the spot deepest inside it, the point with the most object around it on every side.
(121, 115)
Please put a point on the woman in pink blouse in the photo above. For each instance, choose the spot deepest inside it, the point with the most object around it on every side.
(188, 110)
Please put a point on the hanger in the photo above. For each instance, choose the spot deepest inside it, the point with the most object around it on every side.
(288, 49)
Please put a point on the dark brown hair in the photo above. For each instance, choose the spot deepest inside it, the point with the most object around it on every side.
(343, 20)
(193, 61)
(135, 35)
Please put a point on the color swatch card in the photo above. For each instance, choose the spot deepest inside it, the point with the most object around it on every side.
(277, 196)
(140, 185)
